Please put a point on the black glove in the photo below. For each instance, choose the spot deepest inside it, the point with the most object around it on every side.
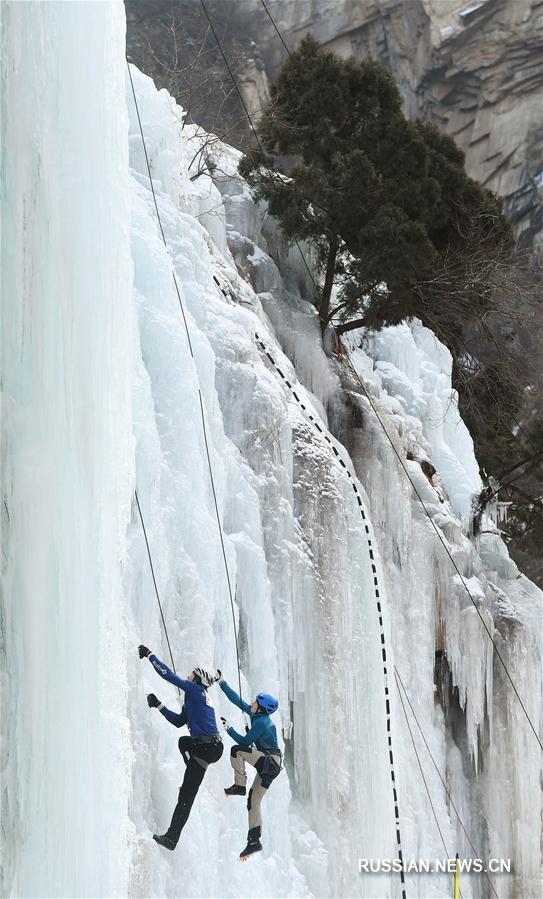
(225, 723)
(247, 728)
(152, 701)
(218, 675)
(143, 651)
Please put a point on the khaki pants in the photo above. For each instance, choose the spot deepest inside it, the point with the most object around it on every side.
(239, 755)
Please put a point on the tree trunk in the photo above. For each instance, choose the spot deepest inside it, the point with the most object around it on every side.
(328, 282)
(350, 326)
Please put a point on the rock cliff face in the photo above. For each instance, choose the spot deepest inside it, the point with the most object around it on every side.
(486, 88)
(474, 68)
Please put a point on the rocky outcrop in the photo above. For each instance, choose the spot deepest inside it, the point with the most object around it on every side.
(474, 68)
(396, 33)
(486, 89)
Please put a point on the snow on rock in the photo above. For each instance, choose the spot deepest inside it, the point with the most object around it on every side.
(416, 369)
(101, 378)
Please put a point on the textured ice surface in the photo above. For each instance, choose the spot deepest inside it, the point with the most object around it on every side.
(68, 329)
(100, 395)
(416, 369)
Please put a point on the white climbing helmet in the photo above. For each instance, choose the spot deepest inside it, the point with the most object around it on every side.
(205, 676)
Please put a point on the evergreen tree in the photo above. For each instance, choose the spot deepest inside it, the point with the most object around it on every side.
(402, 231)
(386, 202)
(346, 171)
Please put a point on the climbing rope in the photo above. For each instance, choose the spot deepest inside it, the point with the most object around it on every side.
(399, 682)
(201, 405)
(250, 120)
(422, 773)
(440, 538)
(154, 580)
(279, 35)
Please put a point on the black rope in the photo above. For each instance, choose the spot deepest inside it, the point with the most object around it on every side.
(447, 792)
(250, 120)
(221, 536)
(281, 38)
(155, 583)
(202, 413)
(234, 82)
(421, 771)
(279, 35)
(156, 207)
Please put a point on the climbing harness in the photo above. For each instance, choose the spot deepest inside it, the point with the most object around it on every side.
(268, 767)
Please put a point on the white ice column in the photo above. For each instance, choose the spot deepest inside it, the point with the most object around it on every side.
(66, 446)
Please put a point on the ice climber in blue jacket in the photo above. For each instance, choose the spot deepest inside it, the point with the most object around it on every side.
(201, 749)
(258, 747)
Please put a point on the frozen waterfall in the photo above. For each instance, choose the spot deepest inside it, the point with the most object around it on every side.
(100, 397)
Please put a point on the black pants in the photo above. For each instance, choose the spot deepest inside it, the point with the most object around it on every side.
(197, 756)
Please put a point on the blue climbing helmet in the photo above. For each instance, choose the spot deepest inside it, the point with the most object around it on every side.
(267, 702)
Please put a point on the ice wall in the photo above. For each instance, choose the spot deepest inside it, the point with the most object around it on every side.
(303, 616)
(472, 719)
(67, 458)
(100, 395)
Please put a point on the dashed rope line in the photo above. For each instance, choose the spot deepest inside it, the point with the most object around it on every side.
(376, 588)
(382, 635)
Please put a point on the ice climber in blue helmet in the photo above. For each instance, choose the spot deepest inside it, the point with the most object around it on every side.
(258, 747)
(201, 749)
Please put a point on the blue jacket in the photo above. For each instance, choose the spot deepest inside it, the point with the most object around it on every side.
(197, 712)
(262, 731)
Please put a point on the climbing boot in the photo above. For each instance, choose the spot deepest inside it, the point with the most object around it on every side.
(234, 790)
(253, 844)
(164, 841)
